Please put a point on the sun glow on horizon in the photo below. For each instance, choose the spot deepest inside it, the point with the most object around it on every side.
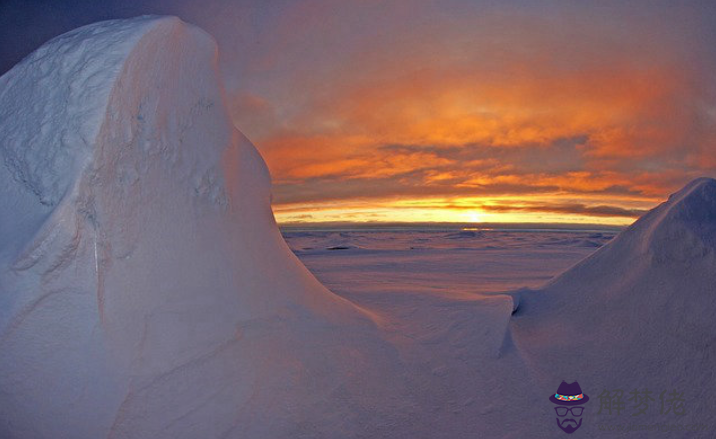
(467, 210)
(475, 217)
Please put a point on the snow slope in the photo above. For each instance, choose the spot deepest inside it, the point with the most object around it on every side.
(145, 290)
(637, 314)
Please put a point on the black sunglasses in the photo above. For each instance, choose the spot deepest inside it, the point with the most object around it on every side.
(562, 411)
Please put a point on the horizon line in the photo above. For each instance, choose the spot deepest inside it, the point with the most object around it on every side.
(448, 225)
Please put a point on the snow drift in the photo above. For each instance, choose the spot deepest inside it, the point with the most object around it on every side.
(145, 290)
(638, 313)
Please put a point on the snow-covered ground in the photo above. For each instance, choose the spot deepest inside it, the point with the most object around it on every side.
(353, 262)
(146, 292)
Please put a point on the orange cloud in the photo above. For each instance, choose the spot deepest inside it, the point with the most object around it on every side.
(507, 105)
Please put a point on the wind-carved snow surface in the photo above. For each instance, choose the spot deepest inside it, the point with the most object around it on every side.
(145, 290)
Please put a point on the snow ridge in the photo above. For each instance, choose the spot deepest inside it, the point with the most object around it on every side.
(145, 290)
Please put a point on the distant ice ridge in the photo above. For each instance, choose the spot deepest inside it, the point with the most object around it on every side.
(145, 291)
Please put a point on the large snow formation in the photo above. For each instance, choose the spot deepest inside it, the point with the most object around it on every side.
(145, 290)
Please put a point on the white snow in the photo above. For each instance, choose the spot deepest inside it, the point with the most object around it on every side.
(639, 311)
(146, 292)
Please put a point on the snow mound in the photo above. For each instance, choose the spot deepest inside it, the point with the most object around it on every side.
(145, 290)
(638, 313)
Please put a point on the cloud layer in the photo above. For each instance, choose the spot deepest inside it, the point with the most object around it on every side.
(576, 104)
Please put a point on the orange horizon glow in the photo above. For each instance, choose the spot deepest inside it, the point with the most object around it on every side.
(462, 211)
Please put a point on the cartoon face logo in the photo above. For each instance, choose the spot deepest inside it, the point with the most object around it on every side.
(570, 402)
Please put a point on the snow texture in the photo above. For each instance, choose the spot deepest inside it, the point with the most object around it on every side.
(146, 292)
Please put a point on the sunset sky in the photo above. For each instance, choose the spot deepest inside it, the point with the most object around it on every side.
(464, 111)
